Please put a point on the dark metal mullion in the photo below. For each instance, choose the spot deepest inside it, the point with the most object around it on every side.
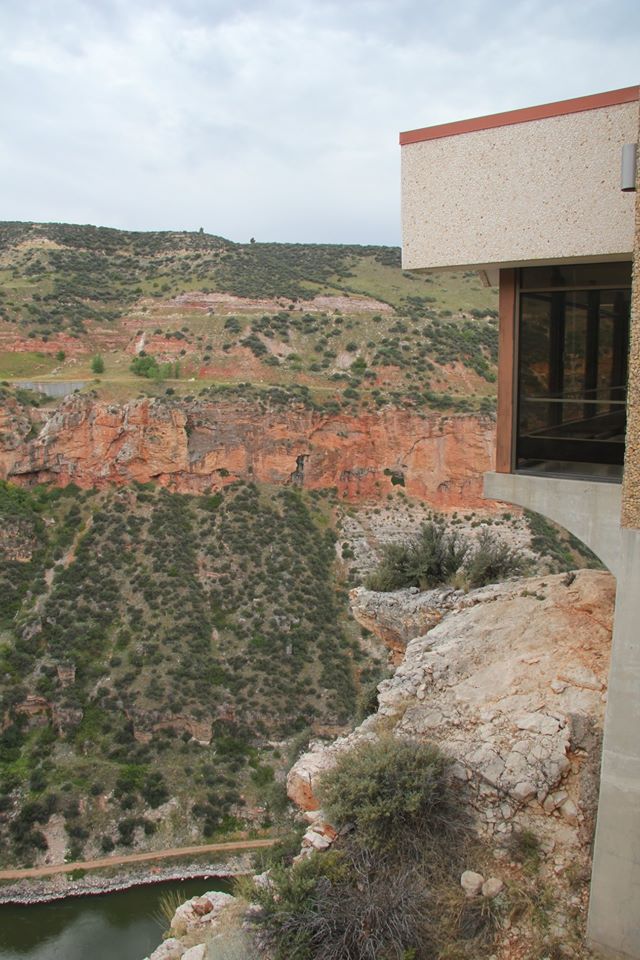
(579, 289)
(620, 341)
(556, 354)
(591, 351)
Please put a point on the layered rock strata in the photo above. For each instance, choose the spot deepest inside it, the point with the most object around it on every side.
(198, 445)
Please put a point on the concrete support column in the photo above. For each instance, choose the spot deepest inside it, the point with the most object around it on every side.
(614, 910)
(614, 907)
(588, 509)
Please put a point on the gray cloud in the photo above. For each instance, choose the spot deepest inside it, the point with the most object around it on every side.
(274, 119)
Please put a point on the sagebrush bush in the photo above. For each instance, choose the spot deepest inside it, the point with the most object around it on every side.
(492, 560)
(392, 791)
(347, 905)
(438, 556)
(392, 572)
(389, 888)
(431, 558)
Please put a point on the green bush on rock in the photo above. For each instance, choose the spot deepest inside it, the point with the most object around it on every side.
(391, 790)
(438, 556)
(389, 887)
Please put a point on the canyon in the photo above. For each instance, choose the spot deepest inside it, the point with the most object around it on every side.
(184, 553)
(510, 680)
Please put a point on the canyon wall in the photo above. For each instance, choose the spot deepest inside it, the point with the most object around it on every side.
(196, 445)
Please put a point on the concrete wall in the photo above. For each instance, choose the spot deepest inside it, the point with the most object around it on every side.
(631, 484)
(614, 910)
(589, 510)
(531, 192)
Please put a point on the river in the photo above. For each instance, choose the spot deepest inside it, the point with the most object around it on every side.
(111, 926)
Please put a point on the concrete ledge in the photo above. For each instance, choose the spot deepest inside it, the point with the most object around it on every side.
(607, 953)
(588, 509)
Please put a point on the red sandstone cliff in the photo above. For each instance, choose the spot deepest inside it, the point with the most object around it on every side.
(201, 444)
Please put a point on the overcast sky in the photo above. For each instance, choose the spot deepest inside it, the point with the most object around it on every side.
(276, 119)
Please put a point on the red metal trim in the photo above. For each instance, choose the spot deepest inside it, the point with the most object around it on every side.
(577, 105)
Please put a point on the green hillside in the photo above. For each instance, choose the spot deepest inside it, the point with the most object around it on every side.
(145, 624)
(229, 313)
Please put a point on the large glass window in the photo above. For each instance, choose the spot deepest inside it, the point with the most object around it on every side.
(572, 382)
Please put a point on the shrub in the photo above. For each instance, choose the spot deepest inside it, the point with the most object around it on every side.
(368, 699)
(492, 561)
(97, 364)
(107, 844)
(437, 556)
(393, 571)
(391, 790)
(126, 830)
(144, 366)
(154, 789)
(388, 889)
(432, 558)
(347, 905)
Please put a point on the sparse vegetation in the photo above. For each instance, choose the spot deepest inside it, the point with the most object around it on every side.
(166, 621)
(439, 555)
(560, 548)
(389, 888)
(407, 338)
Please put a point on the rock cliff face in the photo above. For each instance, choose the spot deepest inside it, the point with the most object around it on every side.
(193, 446)
(511, 684)
(398, 617)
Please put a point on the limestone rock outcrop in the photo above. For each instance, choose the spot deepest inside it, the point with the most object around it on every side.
(511, 684)
(398, 617)
(201, 444)
(194, 922)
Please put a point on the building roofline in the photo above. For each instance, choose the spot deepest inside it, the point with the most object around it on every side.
(577, 105)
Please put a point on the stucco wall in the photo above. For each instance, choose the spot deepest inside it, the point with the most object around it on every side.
(631, 486)
(542, 190)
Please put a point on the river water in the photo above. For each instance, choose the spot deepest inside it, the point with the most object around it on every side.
(111, 926)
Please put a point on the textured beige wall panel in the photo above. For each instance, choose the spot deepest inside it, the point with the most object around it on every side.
(631, 485)
(536, 191)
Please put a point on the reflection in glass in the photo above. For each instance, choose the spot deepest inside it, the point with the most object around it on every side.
(573, 347)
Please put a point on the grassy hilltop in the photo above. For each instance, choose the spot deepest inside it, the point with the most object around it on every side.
(344, 321)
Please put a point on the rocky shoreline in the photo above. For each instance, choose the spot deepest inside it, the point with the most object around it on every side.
(60, 887)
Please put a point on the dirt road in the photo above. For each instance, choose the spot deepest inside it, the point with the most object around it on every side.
(134, 858)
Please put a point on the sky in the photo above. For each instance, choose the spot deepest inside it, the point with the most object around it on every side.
(273, 119)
